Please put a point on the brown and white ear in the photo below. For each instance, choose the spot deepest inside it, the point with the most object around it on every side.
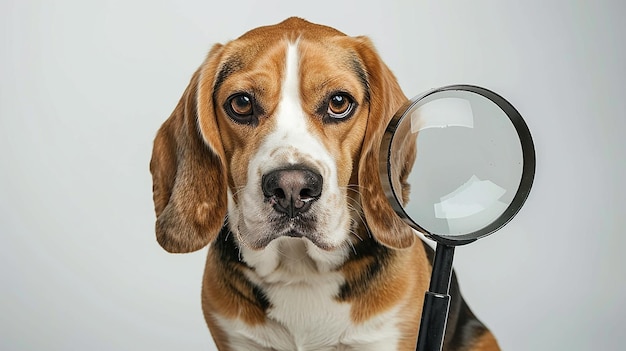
(189, 173)
(385, 98)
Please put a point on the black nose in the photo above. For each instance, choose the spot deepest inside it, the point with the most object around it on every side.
(292, 190)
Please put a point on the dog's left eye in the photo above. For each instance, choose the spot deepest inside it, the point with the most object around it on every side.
(340, 106)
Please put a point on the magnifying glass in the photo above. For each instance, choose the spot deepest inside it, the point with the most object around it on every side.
(473, 170)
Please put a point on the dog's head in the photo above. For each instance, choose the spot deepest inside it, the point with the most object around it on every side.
(279, 131)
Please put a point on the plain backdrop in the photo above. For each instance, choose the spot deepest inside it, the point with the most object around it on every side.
(86, 84)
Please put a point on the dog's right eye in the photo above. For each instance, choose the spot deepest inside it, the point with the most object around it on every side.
(240, 107)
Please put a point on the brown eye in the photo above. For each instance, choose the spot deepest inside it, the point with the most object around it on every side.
(243, 109)
(241, 105)
(340, 106)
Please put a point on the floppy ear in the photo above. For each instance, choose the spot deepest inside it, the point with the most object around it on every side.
(385, 98)
(188, 171)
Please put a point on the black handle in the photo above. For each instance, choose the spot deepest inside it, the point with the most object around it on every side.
(433, 324)
(436, 302)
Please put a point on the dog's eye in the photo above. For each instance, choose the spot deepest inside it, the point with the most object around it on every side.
(340, 106)
(240, 107)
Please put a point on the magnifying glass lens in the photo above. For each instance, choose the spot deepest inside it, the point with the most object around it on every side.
(470, 162)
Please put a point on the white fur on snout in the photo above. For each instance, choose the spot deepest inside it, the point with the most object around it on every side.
(292, 143)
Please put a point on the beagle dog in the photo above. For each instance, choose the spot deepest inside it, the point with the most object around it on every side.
(271, 159)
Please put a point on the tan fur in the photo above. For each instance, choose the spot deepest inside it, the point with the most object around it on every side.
(229, 305)
(186, 175)
(386, 98)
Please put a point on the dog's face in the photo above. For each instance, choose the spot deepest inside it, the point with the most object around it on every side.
(280, 129)
(295, 113)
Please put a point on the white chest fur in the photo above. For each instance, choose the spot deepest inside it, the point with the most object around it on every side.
(304, 313)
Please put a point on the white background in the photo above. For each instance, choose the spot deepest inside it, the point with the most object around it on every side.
(85, 85)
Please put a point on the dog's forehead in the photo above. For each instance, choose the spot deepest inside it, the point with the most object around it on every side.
(271, 42)
(291, 29)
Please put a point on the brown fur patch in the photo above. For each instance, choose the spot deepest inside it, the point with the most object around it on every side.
(258, 76)
(378, 279)
(189, 177)
(386, 98)
(225, 290)
(486, 342)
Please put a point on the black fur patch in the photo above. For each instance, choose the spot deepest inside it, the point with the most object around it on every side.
(230, 66)
(360, 72)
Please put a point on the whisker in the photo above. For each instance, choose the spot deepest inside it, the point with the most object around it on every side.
(352, 245)
(356, 207)
(358, 212)
(238, 190)
(353, 232)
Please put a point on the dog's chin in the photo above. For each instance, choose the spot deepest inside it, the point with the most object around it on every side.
(313, 238)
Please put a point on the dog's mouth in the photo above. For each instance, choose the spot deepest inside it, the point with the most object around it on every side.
(291, 228)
